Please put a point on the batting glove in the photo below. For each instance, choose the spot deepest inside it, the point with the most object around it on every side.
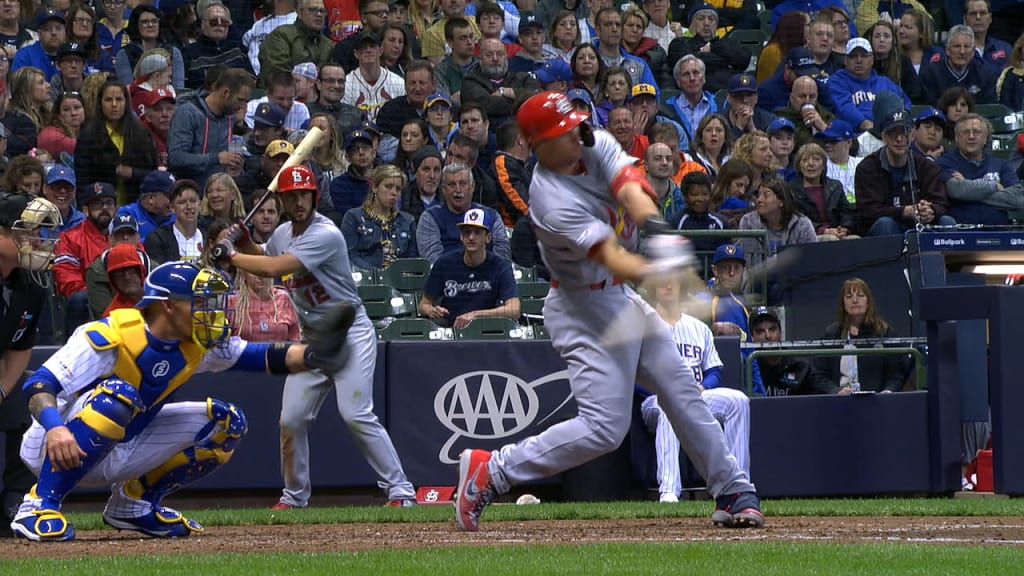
(239, 234)
(668, 253)
(224, 250)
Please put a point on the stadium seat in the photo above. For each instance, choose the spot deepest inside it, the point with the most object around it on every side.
(366, 276)
(406, 274)
(994, 113)
(490, 329)
(765, 18)
(523, 274)
(413, 329)
(531, 298)
(541, 333)
(752, 40)
(1003, 145)
(382, 301)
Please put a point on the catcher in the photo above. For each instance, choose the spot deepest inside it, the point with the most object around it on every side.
(101, 411)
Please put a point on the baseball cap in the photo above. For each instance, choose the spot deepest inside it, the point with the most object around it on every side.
(579, 94)
(371, 128)
(269, 114)
(728, 252)
(476, 217)
(123, 221)
(367, 37)
(529, 22)
(930, 114)
(44, 15)
(157, 181)
(855, 43)
(355, 135)
(700, 7)
(71, 49)
(897, 119)
(553, 71)
(151, 98)
(278, 147)
(95, 190)
(836, 131)
(762, 313)
(801, 61)
(437, 98)
(781, 123)
(61, 173)
(740, 83)
(306, 70)
(12, 204)
(643, 89)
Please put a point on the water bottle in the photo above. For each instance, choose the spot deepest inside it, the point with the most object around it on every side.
(854, 377)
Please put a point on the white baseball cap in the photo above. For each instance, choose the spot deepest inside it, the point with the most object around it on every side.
(862, 43)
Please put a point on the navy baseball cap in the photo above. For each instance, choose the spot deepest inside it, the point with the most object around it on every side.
(781, 123)
(123, 221)
(157, 181)
(354, 136)
(700, 7)
(930, 115)
(801, 61)
(61, 173)
(44, 15)
(836, 131)
(367, 37)
(579, 94)
(762, 313)
(370, 128)
(897, 119)
(269, 114)
(740, 83)
(728, 252)
(96, 190)
(529, 22)
(552, 71)
(477, 218)
(71, 49)
(437, 98)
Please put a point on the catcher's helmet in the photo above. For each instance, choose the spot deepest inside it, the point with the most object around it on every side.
(205, 288)
(547, 115)
(36, 223)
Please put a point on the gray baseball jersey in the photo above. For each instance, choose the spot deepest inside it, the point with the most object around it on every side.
(327, 277)
(574, 213)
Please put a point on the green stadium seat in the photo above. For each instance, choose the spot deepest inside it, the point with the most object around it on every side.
(1003, 145)
(994, 112)
(406, 274)
(382, 301)
(531, 298)
(523, 274)
(490, 329)
(413, 329)
(366, 276)
(765, 18)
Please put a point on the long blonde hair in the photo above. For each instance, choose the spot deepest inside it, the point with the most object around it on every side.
(22, 80)
(237, 205)
(330, 155)
(244, 299)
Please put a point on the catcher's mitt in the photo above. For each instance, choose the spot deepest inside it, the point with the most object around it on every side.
(326, 339)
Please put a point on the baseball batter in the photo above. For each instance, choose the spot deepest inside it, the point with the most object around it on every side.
(310, 254)
(696, 345)
(101, 410)
(582, 178)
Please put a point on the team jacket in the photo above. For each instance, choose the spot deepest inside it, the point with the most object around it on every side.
(854, 97)
(876, 196)
(513, 177)
(76, 249)
(977, 78)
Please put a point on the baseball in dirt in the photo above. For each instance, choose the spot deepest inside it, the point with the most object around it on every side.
(527, 499)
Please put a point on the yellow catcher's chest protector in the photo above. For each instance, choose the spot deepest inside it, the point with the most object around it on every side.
(137, 362)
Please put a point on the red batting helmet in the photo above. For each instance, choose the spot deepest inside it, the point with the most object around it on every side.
(547, 115)
(296, 177)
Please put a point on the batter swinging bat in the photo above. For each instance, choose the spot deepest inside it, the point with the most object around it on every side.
(303, 151)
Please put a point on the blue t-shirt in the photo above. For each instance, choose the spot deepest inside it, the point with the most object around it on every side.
(462, 289)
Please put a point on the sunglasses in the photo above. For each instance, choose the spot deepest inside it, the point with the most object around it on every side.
(219, 22)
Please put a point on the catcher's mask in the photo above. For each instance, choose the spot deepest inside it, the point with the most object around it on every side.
(205, 288)
(35, 224)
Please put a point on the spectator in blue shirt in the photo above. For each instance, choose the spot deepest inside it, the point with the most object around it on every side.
(976, 181)
(855, 88)
(992, 51)
(349, 189)
(50, 25)
(472, 282)
(153, 208)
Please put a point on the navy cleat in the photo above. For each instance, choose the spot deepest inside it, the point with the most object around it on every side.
(740, 510)
(161, 522)
(43, 525)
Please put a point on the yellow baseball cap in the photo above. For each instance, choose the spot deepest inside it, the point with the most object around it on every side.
(644, 89)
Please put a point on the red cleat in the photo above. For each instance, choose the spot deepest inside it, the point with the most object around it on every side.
(475, 490)
(282, 506)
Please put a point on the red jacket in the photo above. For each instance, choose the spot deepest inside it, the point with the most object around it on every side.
(76, 249)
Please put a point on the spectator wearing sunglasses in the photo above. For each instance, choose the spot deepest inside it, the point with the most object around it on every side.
(212, 47)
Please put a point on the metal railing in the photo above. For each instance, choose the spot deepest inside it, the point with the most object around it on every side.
(792, 349)
(754, 285)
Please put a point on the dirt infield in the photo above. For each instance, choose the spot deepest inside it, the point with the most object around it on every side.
(353, 537)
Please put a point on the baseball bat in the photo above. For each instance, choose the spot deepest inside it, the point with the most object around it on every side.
(303, 151)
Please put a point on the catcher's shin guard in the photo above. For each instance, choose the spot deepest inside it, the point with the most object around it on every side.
(97, 428)
(215, 444)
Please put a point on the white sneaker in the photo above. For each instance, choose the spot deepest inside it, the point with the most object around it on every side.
(668, 498)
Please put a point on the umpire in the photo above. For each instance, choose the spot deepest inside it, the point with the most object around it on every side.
(20, 304)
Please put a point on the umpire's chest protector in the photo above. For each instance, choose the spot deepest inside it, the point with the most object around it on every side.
(155, 367)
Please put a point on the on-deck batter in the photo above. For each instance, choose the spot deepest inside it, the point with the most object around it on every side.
(582, 179)
(309, 252)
